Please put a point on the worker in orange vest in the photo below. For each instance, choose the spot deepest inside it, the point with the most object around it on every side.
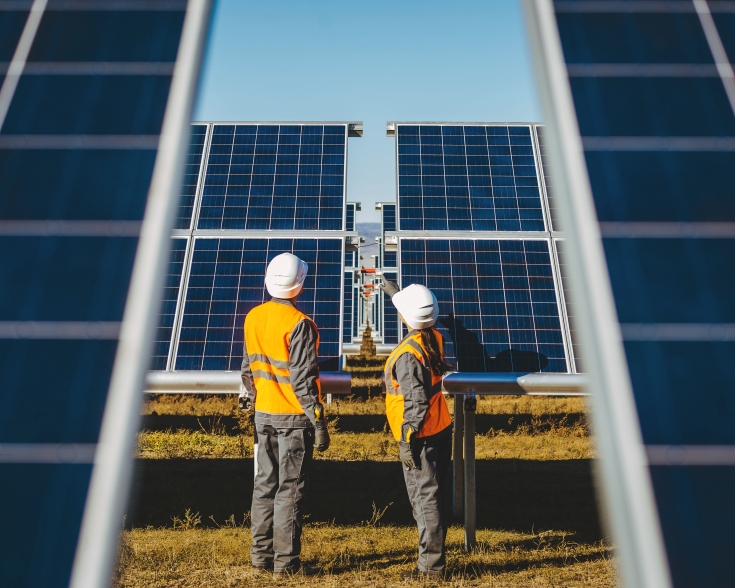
(420, 421)
(280, 375)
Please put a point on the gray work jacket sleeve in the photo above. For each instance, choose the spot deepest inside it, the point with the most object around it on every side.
(246, 374)
(304, 367)
(415, 383)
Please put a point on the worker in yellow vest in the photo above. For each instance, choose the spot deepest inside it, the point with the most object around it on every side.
(420, 421)
(280, 375)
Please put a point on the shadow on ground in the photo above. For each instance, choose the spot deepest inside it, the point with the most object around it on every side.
(520, 495)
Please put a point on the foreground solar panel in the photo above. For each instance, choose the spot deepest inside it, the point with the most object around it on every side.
(226, 281)
(640, 102)
(275, 177)
(467, 178)
(91, 116)
(497, 299)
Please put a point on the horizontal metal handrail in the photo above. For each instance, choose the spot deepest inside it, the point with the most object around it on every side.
(205, 382)
(537, 384)
(339, 383)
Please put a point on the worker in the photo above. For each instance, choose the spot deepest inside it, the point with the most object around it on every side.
(280, 378)
(420, 421)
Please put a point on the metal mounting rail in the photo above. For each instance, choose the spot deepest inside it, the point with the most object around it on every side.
(465, 387)
(227, 382)
(516, 383)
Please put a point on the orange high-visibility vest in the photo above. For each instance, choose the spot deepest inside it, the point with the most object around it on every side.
(268, 329)
(437, 416)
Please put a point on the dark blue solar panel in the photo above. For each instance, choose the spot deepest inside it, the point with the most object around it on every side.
(162, 343)
(658, 146)
(347, 307)
(389, 217)
(391, 324)
(350, 258)
(479, 178)
(573, 333)
(498, 305)
(350, 217)
(191, 177)
(543, 153)
(390, 258)
(275, 177)
(78, 144)
(227, 280)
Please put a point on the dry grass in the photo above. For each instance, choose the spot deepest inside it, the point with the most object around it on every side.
(364, 555)
(559, 442)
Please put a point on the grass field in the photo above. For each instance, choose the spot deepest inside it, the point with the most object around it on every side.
(537, 516)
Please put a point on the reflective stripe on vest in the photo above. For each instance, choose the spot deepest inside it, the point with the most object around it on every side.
(268, 329)
(437, 415)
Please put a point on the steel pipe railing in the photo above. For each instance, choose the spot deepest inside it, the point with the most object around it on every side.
(227, 383)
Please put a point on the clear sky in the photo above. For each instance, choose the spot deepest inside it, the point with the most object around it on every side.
(372, 61)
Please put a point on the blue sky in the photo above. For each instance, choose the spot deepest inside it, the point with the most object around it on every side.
(375, 61)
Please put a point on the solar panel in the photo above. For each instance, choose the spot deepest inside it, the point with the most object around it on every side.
(275, 177)
(191, 176)
(389, 217)
(391, 327)
(653, 92)
(390, 258)
(467, 178)
(226, 280)
(546, 169)
(350, 216)
(81, 117)
(162, 341)
(497, 300)
(348, 306)
(569, 309)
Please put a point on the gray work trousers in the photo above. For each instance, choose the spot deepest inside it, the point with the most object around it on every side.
(427, 490)
(284, 457)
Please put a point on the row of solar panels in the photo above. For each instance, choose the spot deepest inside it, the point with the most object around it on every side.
(500, 297)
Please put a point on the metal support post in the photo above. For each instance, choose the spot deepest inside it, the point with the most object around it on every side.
(458, 458)
(470, 497)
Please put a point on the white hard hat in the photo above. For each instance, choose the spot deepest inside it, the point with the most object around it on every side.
(285, 276)
(417, 305)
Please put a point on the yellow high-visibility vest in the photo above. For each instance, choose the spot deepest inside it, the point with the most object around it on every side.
(268, 329)
(437, 416)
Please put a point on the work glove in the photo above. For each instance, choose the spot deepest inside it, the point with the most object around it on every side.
(245, 401)
(389, 287)
(408, 457)
(321, 438)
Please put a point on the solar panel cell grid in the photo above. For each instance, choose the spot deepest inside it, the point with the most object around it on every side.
(191, 177)
(389, 217)
(573, 333)
(275, 177)
(546, 167)
(497, 302)
(480, 178)
(347, 307)
(390, 315)
(390, 258)
(350, 217)
(162, 342)
(226, 281)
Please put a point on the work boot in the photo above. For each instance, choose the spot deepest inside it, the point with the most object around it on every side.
(303, 570)
(417, 574)
(261, 570)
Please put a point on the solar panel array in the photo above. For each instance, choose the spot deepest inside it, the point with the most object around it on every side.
(275, 177)
(252, 181)
(467, 178)
(226, 281)
(78, 143)
(497, 299)
(500, 297)
(653, 93)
